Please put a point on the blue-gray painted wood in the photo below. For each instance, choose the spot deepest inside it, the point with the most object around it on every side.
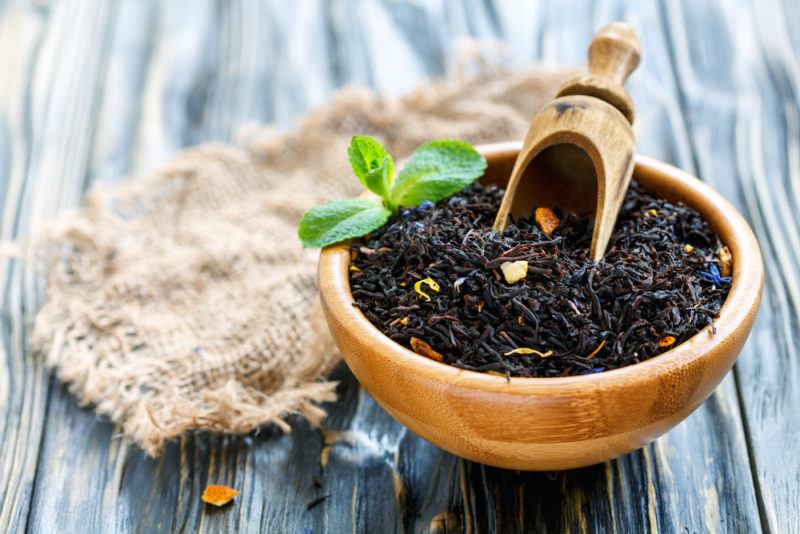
(103, 91)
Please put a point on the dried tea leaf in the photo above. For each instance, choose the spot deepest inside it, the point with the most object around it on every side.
(422, 348)
(514, 271)
(672, 291)
(547, 220)
(219, 495)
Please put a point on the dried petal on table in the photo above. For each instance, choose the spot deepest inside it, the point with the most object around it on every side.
(219, 495)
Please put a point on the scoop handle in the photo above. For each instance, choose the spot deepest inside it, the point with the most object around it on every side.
(615, 52)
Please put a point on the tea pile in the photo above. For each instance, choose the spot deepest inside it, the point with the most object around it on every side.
(530, 302)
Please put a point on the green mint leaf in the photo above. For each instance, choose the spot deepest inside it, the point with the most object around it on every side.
(339, 220)
(437, 170)
(371, 164)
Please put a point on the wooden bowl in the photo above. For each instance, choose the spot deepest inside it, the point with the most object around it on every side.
(553, 423)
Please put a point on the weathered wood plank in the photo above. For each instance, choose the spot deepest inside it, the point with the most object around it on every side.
(47, 104)
(88, 478)
(162, 76)
(23, 384)
(741, 87)
(683, 479)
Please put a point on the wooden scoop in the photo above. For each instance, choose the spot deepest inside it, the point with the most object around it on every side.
(578, 152)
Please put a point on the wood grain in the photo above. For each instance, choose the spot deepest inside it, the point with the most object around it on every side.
(746, 145)
(94, 91)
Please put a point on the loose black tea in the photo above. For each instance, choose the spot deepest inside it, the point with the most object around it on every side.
(530, 302)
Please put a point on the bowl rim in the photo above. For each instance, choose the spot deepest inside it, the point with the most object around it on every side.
(742, 300)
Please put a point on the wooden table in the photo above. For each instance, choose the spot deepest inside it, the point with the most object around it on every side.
(92, 91)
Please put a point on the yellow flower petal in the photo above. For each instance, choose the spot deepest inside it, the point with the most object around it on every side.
(595, 351)
(430, 282)
(526, 350)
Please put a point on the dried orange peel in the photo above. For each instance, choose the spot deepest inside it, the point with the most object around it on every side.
(547, 220)
(219, 495)
(666, 341)
(422, 348)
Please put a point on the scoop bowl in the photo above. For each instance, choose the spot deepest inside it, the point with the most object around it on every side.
(538, 424)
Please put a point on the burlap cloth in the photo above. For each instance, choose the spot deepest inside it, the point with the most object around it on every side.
(184, 301)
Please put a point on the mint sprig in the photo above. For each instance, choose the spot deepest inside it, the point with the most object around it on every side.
(436, 170)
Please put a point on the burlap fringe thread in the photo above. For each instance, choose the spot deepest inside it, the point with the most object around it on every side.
(184, 302)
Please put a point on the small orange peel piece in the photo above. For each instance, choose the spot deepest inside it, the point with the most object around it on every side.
(422, 348)
(546, 219)
(666, 341)
(688, 249)
(219, 495)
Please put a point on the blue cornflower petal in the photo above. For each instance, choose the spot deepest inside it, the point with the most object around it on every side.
(593, 370)
(713, 276)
